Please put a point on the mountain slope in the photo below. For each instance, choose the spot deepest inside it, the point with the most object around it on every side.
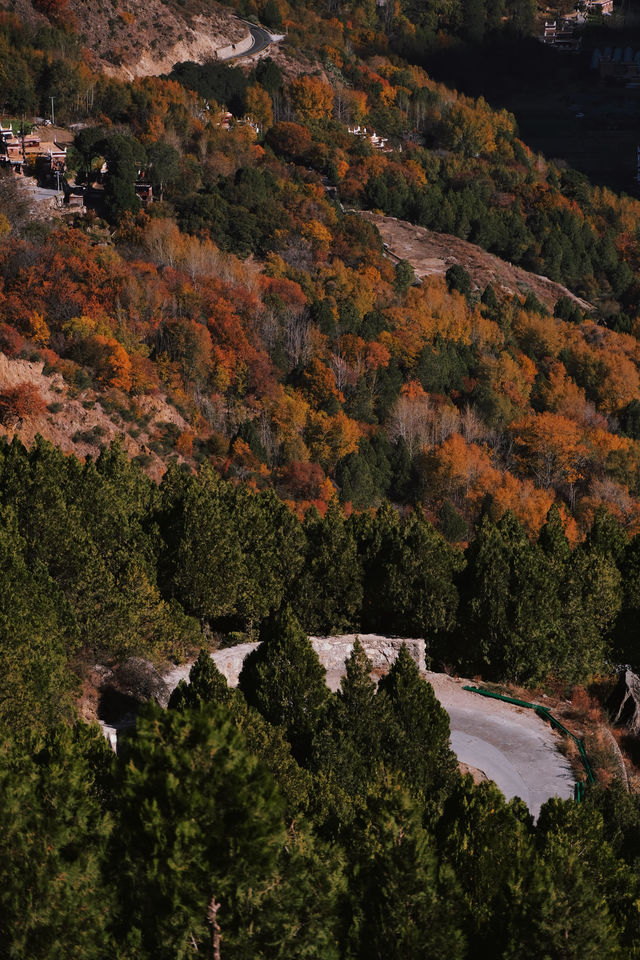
(431, 253)
(131, 39)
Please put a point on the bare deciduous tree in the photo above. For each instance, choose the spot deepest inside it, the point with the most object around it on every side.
(296, 337)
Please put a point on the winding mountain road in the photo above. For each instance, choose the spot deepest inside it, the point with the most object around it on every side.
(519, 752)
(261, 40)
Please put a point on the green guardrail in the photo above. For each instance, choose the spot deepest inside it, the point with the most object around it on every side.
(546, 714)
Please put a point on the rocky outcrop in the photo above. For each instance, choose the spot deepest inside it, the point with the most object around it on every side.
(332, 653)
(229, 661)
(139, 679)
(624, 703)
(382, 651)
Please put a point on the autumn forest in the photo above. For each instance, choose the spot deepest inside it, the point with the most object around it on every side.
(349, 444)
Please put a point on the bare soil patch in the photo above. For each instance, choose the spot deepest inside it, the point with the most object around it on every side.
(80, 423)
(432, 253)
(132, 38)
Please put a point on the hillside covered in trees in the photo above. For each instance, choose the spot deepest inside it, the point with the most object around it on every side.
(352, 450)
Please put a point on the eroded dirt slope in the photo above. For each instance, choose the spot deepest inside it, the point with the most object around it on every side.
(80, 422)
(130, 38)
(433, 253)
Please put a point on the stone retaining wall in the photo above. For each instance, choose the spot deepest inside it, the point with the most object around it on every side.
(332, 653)
(235, 49)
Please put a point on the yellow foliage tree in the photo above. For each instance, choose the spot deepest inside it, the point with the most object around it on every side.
(259, 106)
(38, 329)
(312, 98)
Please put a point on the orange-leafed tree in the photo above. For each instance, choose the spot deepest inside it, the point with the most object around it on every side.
(290, 139)
(311, 98)
(259, 106)
(330, 438)
(461, 471)
(551, 448)
(22, 400)
(111, 362)
(38, 329)
(561, 394)
(305, 481)
(527, 502)
(319, 385)
(144, 376)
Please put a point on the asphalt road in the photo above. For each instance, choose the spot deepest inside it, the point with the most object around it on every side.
(519, 752)
(261, 40)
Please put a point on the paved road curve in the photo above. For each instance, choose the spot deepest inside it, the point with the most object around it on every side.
(261, 40)
(522, 758)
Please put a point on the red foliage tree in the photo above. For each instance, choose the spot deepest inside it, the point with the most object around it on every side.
(23, 400)
(303, 481)
(11, 343)
(290, 139)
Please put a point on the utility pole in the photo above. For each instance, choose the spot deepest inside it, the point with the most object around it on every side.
(53, 119)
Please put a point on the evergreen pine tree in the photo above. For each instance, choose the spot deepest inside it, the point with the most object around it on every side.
(284, 680)
(204, 556)
(564, 910)
(417, 744)
(626, 642)
(403, 905)
(408, 576)
(349, 750)
(328, 592)
(55, 899)
(206, 686)
(489, 844)
(37, 639)
(200, 821)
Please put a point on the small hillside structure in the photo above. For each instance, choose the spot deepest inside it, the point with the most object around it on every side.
(20, 150)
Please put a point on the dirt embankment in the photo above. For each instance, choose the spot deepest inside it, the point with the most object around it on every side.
(432, 253)
(136, 38)
(81, 422)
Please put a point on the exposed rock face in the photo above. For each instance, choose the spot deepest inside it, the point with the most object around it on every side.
(624, 702)
(332, 653)
(381, 651)
(229, 661)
